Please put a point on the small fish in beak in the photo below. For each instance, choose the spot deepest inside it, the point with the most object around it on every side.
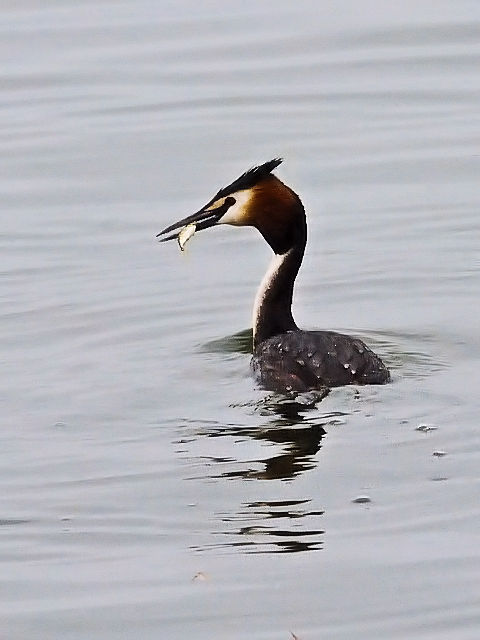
(186, 232)
(207, 217)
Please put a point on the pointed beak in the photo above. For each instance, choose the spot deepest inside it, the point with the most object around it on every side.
(203, 219)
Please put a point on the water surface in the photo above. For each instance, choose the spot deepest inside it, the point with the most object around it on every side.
(149, 487)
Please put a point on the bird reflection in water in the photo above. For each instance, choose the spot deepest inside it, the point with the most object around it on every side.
(266, 526)
(300, 439)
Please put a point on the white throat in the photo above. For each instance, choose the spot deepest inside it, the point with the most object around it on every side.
(265, 285)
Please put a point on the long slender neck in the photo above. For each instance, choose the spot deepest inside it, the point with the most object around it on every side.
(272, 311)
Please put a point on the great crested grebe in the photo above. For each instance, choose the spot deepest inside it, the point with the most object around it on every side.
(285, 358)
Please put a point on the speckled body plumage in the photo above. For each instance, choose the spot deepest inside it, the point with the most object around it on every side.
(303, 360)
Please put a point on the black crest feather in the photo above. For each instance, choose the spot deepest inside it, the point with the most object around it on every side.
(250, 178)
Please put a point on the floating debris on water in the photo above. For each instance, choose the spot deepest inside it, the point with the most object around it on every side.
(439, 454)
(361, 500)
(425, 428)
(185, 234)
(200, 577)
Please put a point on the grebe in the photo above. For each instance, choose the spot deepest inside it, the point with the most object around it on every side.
(285, 358)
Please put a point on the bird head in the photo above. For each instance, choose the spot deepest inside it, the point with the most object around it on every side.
(257, 199)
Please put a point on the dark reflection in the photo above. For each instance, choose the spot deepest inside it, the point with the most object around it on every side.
(295, 431)
(260, 533)
(301, 444)
(300, 438)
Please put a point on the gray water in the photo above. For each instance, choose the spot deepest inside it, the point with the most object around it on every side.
(149, 488)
